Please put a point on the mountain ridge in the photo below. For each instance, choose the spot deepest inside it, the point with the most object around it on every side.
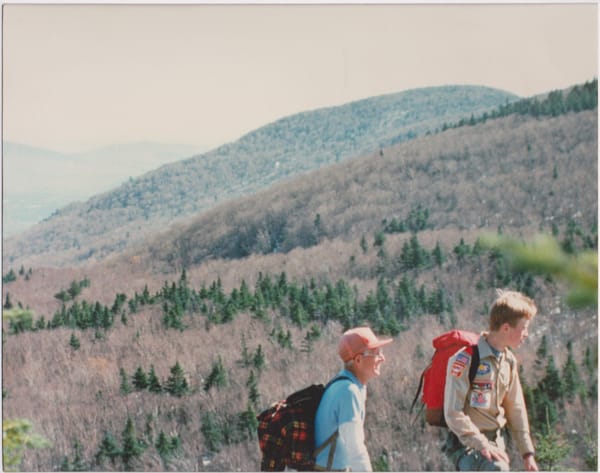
(111, 221)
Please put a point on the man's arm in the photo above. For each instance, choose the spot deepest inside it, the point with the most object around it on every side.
(353, 437)
(351, 433)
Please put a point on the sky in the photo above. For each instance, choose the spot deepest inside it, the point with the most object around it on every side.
(79, 77)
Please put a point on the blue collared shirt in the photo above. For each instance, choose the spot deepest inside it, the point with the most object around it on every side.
(343, 403)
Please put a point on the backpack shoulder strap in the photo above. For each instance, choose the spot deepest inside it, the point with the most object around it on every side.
(474, 362)
(334, 380)
(412, 406)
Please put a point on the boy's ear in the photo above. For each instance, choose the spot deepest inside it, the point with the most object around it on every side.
(505, 327)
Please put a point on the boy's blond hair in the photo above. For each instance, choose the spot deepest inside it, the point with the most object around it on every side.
(510, 307)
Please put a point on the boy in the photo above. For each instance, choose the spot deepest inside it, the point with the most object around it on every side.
(478, 412)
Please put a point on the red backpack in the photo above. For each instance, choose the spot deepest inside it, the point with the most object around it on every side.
(433, 378)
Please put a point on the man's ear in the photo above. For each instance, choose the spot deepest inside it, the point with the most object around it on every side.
(505, 327)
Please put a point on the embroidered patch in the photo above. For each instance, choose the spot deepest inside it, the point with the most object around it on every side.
(483, 368)
(481, 399)
(459, 364)
(482, 386)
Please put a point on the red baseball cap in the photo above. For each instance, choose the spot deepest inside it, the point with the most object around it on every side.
(357, 340)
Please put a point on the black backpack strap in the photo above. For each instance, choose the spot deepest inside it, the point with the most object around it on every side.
(337, 378)
(412, 406)
(474, 363)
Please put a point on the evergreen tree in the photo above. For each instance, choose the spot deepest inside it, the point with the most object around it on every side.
(379, 239)
(245, 297)
(7, 302)
(248, 423)
(462, 250)
(212, 431)
(140, 381)
(78, 463)
(552, 383)
(544, 412)
(65, 465)
(124, 387)
(413, 255)
(258, 360)
(542, 353)
(166, 446)
(74, 289)
(153, 382)
(253, 394)
(132, 448)
(437, 255)
(570, 375)
(298, 315)
(9, 277)
(176, 384)
(217, 376)
(363, 244)
(313, 334)
(108, 449)
(384, 300)
(175, 443)
(551, 449)
(590, 365)
(246, 359)
(74, 342)
(163, 445)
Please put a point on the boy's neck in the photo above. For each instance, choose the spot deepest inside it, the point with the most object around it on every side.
(495, 340)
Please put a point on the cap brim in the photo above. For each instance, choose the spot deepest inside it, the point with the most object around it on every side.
(380, 343)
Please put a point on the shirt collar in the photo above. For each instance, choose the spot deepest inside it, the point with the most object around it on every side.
(485, 350)
(349, 374)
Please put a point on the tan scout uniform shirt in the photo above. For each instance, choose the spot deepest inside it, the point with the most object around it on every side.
(494, 400)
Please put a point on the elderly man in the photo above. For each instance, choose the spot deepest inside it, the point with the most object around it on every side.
(339, 432)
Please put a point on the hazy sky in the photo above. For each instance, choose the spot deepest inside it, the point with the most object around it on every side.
(76, 77)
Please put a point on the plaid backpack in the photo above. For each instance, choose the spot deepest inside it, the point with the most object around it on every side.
(286, 431)
(433, 378)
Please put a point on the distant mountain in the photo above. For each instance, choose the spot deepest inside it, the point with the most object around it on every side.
(38, 181)
(520, 174)
(115, 220)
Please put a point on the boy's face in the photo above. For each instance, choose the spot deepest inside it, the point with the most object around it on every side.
(517, 334)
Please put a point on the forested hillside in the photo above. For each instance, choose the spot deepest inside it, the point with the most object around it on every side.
(113, 221)
(514, 173)
(160, 358)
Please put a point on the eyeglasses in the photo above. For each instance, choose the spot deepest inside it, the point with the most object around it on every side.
(373, 353)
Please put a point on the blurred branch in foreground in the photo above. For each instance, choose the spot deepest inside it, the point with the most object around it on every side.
(543, 255)
(16, 437)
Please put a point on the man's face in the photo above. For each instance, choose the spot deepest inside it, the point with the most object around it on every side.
(517, 334)
(370, 363)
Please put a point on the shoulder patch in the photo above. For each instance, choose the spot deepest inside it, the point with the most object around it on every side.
(459, 364)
